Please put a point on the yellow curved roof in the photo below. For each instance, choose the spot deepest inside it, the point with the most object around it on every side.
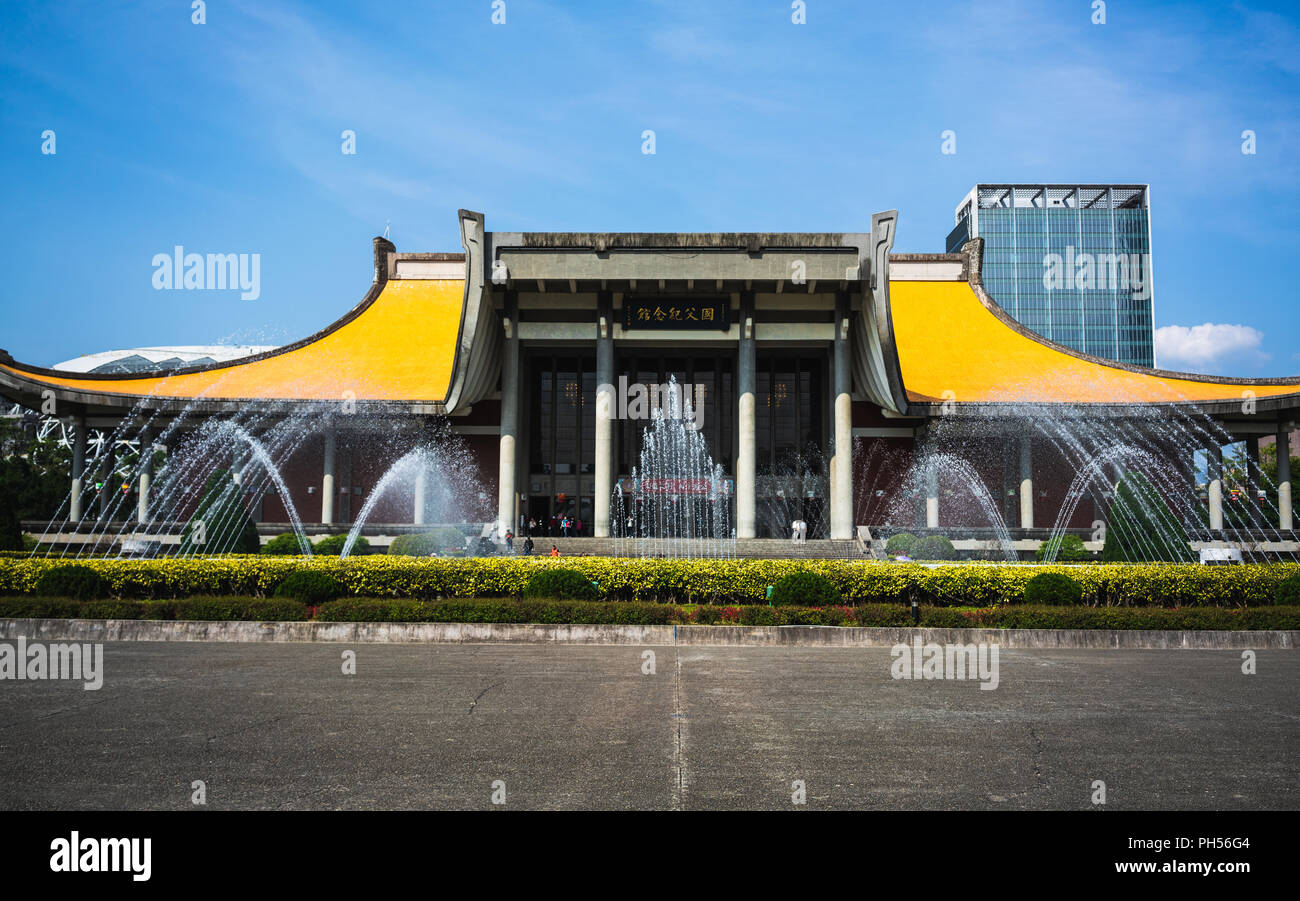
(948, 340)
(400, 348)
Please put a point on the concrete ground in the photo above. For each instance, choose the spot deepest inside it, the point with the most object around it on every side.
(270, 726)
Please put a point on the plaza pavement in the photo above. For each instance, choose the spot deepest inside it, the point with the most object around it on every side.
(279, 726)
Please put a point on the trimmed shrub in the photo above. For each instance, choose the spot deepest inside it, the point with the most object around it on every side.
(715, 582)
(241, 609)
(221, 525)
(1052, 588)
(567, 584)
(1141, 528)
(284, 543)
(332, 546)
(427, 544)
(900, 544)
(75, 581)
(933, 547)
(1069, 549)
(310, 587)
(501, 610)
(707, 615)
(1288, 590)
(807, 588)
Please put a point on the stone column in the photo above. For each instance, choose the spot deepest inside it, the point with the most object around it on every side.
(931, 496)
(327, 480)
(509, 414)
(842, 488)
(1284, 521)
(746, 458)
(605, 408)
(106, 489)
(417, 514)
(1026, 482)
(145, 477)
(78, 467)
(1214, 474)
(238, 460)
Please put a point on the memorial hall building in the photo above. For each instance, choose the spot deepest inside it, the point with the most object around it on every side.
(816, 366)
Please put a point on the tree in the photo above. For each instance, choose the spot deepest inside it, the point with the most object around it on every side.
(34, 475)
(221, 524)
(1141, 528)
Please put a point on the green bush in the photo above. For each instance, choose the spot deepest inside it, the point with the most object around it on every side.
(426, 544)
(332, 546)
(1052, 588)
(11, 533)
(284, 543)
(1141, 528)
(501, 610)
(75, 581)
(568, 584)
(807, 588)
(1069, 549)
(716, 582)
(900, 544)
(508, 610)
(241, 609)
(1288, 590)
(933, 547)
(310, 587)
(221, 524)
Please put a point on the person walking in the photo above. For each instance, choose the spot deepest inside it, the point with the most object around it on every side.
(528, 546)
(510, 542)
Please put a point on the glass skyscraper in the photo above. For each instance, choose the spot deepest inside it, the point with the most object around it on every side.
(1070, 262)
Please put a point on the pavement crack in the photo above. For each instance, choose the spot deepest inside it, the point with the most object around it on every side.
(474, 703)
(1036, 756)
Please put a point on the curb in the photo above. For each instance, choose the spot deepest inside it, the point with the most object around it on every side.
(99, 630)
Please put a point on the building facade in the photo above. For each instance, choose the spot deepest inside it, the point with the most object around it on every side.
(1070, 262)
(822, 366)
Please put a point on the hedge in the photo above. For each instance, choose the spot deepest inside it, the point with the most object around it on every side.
(722, 582)
(509, 610)
(227, 608)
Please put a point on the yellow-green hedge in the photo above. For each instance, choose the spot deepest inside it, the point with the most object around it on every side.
(708, 581)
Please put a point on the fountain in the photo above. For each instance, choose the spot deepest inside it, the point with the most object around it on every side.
(678, 501)
(442, 465)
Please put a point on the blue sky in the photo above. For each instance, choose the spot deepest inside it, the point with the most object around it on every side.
(225, 137)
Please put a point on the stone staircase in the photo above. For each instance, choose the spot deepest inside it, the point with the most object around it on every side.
(761, 548)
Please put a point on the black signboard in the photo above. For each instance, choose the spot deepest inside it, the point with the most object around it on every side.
(677, 313)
